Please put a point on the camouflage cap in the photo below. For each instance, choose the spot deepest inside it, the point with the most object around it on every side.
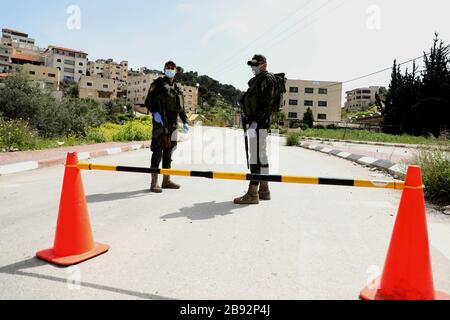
(257, 60)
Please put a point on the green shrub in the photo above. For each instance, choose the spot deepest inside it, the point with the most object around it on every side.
(331, 127)
(95, 135)
(304, 126)
(435, 166)
(17, 134)
(293, 139)
(319, 127)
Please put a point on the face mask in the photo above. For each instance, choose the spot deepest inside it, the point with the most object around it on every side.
(256, 70)
(171, 73)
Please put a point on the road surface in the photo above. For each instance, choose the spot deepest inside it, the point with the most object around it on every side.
(310, 242)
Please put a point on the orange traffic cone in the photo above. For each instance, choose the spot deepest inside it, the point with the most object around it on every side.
(407, 272)
(73, 240)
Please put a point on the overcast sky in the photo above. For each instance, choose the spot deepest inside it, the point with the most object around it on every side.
(328, 40)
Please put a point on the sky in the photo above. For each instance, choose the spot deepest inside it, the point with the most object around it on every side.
(323, 40)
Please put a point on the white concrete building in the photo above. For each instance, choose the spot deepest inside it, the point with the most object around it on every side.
(71, 63)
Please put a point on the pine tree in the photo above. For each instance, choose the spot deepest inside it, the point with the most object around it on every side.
(433, 107)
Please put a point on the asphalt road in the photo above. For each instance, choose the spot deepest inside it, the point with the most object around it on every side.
(309, 242)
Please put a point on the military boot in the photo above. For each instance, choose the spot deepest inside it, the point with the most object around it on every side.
(264, 192)
(251, 197)
(154, 187)
(168, 184)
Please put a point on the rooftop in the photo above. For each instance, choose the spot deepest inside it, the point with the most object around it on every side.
(65, 49)
(15, 32)
(27, 57)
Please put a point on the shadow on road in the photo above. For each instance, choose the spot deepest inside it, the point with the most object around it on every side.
(17, 269)
(205, 211)
(94, 198)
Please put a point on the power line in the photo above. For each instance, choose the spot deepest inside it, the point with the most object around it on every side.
(302, 19)
(384, 70)
(262, 35)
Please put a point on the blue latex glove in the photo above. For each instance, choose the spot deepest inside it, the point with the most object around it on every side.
(186, 127)
(158, 118)
(251, 132)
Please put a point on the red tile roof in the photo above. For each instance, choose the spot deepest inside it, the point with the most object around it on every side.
(66, 49)
(27, 57)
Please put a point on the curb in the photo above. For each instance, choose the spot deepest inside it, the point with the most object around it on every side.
(46, 163)
(395, 169)
(381, 144)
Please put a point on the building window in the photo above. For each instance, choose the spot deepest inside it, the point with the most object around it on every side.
(80, 64)
(59, 60)
(293, 102)
(52, 75)
(309, 103)
(322, 116)
(323, 91)
(292, 115)
(32, 72)
(69, 62)
(69, 70)
(105, 86)
(89, 84)
(323, 104)
(309, 90)
(293, 89)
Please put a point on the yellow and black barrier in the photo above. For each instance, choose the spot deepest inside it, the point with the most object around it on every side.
(397, 185)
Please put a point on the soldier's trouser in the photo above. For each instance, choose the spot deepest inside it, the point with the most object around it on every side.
(162, 149)
(259, 162)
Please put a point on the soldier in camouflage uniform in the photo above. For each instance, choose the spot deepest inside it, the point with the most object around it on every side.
(166, 103)
(257, 113)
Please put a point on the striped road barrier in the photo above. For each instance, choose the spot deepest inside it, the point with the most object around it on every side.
(396, 185)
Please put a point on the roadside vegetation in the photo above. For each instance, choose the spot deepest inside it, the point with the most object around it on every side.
(31, 118)
(435, 166)
(365, 135)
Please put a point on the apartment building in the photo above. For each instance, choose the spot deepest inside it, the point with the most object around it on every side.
(23, 49)
(71, 63)
(95, 68)
(323, 97)
(190, 95)
(139, 84)
(5, 58)
(361, 98)
(109, 69)
(48, 78)
(17, 37)
(96, 88)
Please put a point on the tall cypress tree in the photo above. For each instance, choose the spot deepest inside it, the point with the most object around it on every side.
(391, 110)
(433, 107)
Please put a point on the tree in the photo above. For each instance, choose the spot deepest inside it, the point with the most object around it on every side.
(420, 104)
(308, 118)
(433, 106)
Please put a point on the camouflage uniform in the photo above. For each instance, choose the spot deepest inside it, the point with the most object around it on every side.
(168, 100)
(258, 104)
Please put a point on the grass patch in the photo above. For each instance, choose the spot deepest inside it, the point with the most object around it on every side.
(364, 135)
(18, 135)
(293, 139)
(435, 166)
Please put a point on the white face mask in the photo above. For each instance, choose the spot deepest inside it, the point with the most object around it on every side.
(256, 70)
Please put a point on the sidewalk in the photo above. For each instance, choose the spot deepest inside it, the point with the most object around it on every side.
(13, 162)
(387, 158)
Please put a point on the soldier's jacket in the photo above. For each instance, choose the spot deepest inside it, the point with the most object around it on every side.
(258, 100)
(167, 100)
